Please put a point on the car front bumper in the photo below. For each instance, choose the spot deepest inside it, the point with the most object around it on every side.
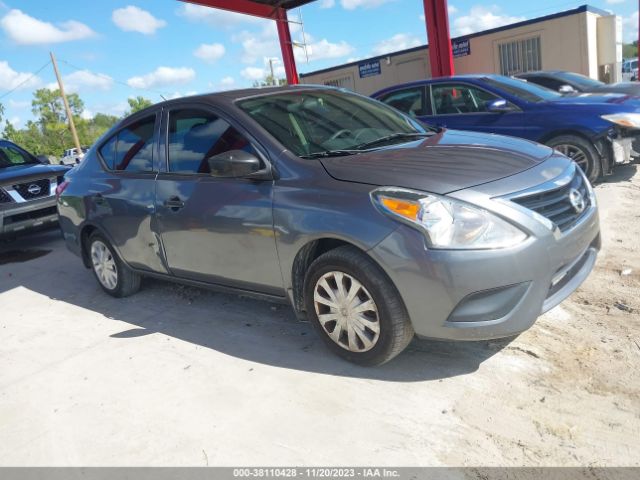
(17, 218)
(485, 294)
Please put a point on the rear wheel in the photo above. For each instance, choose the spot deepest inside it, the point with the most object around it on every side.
(580, 151)
(112, 274)
(355, 308)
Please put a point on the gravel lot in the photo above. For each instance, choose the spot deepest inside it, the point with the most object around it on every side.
(181, 376)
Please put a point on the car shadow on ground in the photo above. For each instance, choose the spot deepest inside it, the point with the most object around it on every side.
(241, 327)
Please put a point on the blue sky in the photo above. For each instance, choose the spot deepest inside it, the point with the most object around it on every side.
(111, 50)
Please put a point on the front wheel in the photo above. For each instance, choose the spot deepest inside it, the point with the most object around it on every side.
(581, 151)
(112, 274)
(355, 308)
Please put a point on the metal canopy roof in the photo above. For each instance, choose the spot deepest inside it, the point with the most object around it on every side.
(286, 4)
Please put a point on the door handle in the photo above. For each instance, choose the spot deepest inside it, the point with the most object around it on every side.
(174, 204)
(98, 199)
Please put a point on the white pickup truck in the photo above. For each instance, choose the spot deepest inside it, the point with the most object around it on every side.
(72, 157)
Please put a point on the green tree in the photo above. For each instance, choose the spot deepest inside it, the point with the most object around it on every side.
(1, 112)
(630, 50)
(138, 103)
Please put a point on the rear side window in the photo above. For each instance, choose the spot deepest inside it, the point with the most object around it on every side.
(197, 135)
(131, 149)
(409, 101)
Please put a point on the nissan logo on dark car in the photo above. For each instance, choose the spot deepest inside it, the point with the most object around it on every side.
(34, 189)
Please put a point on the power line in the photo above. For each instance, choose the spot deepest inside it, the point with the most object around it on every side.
(25, 80)
(119, 82)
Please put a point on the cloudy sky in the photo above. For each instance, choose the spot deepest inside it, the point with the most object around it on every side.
(111, 50)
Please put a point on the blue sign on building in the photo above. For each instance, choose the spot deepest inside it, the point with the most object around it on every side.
(461, 48)
(369, 69)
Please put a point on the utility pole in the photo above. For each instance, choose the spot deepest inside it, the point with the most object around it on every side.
(72, 126)
(273, 78)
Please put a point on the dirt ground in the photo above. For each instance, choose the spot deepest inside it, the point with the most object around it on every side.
(181, 376)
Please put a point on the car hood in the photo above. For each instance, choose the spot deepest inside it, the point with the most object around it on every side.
(620, 99)
(36, 170)
(443, 163)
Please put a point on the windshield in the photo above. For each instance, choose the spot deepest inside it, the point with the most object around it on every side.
(580, 80)
(11, 155)
(529, 92)
(313, 122)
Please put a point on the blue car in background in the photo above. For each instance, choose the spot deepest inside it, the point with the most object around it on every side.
(595, 130)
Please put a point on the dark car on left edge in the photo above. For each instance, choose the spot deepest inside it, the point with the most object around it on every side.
(27, 190)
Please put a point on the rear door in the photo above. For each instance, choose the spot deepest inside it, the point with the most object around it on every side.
(463, 106)
(122, 197)
(214, 229)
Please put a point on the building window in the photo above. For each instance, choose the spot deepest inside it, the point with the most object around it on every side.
(520, 56)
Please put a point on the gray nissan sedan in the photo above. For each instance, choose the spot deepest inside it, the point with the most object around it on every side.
(370, 225)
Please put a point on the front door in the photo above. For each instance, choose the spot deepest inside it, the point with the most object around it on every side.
(463, 106)
(214, 229)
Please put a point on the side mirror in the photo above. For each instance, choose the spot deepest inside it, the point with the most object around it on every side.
(499, 105)
(566, 89)
(234, 164)
(43, 159)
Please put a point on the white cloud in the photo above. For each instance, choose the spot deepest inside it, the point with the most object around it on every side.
(321, 49)
(226, 83)
(84, 80)
(18, 104)
(264, 44)
(10, 79)
(26, 30)
(327, 3)
(482, 18)
(216, 17)
(614, 2)
(16, 122)
(210, 52)
(254, 73)
(353, 4)
(452, 9)
(630, 28)
(163, 76)
(399, 41)
(134, 19)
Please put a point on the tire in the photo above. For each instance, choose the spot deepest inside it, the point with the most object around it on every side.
(359, 274)
(123, 281)
(581, 151)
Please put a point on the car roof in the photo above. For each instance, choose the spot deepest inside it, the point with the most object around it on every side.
(452, 78)
(233, 95)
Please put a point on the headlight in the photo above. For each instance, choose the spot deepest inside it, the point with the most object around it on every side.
(629, 120)
(448, 223)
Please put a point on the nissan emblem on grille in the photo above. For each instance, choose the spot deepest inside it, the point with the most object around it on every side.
(34, 189)
(577, 200)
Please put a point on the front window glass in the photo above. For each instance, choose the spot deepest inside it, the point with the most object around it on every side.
(529, 92)
(313, 122)
(196, 136)
(10, 155)
(453, 99)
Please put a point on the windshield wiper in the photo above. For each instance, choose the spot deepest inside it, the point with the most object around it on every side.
(387, 138)
(331, 153)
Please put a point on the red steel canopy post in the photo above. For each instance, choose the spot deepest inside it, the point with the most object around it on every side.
(279, 14)
(286, 46)
(440, 53)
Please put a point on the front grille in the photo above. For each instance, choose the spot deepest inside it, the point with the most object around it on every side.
(32, 215)
(34, 189)
(556, 205)
(4, 196)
